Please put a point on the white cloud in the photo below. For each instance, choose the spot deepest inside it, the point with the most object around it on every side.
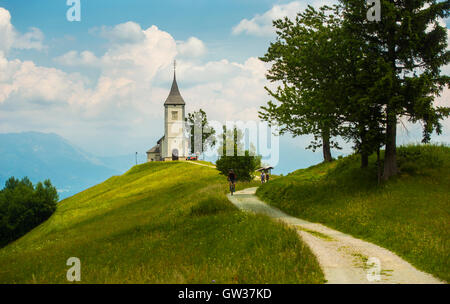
(261, 25)
(74, 58)
(22, 82)
(128, 32)
(123, 105)
(13, 39)
(225, 90)
(193, 47)
(6, 30)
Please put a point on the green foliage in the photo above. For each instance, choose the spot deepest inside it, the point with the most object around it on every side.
(420, 159)
(24, 206)
(407, 214)
(161, 222)
(304, 60)
(201, 134)
(244, 166)
(243, 162)
(343, 76)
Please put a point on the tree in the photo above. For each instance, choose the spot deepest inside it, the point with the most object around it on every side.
(201, 135)
(24, 206)
(231, 142)
(342, 75)
(243, 162)
(303, 61)
(410, 48)
(244, 166)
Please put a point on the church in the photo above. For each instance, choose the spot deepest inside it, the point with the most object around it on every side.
(174, 145)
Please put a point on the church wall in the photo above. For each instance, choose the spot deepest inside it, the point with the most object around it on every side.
(153, 156)
(175, 132)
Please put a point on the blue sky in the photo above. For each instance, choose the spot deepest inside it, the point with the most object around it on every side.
(210, 21)
(101, 82)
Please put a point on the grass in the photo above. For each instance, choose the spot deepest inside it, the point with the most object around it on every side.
(409, 214)
(204, 162)
(159, 223)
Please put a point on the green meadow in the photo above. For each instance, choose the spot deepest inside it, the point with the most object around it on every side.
(409, 214)
(159, 223)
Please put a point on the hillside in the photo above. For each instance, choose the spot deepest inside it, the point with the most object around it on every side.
(159, 223)
(40, 156)
(408, 215)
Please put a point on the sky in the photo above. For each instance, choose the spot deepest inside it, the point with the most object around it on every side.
(101, 82)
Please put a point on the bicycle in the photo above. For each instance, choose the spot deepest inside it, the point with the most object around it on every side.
(232, 187)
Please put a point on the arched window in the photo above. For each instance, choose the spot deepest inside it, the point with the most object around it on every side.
(175, 154)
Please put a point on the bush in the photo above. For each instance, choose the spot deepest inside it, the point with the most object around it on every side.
(244, 166)
(418, 159)
(24, 206)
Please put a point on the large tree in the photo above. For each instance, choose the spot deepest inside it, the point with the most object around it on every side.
(343, 75)
(409, 46)
(201, 135)
(302, 64)
(233, 155)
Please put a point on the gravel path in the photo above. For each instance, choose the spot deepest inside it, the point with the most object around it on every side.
(344, 259)
(200, 164)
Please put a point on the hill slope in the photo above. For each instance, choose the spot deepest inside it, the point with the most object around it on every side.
(408, 215)
(40, 156)
(159, 223)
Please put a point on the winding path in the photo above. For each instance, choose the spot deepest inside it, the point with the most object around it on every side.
(343, 258)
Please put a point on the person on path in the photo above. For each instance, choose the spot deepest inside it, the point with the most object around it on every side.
(262, 177)
(232, 180)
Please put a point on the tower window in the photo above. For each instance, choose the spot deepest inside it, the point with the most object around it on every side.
(174, 115)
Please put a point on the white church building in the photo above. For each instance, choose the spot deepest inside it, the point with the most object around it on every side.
(174, 145)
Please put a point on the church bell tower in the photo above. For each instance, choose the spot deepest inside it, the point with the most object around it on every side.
(175, 146)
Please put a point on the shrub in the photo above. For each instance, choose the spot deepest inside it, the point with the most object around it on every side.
(244, 166)
(24, 206)
(418, 159)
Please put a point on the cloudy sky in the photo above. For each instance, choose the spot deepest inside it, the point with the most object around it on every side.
(101, 82)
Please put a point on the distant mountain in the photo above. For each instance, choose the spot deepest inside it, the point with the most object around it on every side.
(122, 163)
(40, 156)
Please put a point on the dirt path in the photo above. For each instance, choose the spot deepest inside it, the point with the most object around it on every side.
(344, 259)
(200, 164)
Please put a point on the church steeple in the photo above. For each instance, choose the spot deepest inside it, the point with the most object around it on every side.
(174, 97)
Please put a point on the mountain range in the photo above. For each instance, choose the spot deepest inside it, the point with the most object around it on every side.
(41, 156)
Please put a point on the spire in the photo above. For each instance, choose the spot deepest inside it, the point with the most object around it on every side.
(174, 97)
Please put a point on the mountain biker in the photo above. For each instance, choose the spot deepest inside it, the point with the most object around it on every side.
(231, 179)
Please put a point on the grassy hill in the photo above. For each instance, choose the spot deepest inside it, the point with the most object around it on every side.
(159, 223)
(409, 214)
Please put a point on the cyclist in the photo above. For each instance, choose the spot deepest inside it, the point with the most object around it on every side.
(231, 180)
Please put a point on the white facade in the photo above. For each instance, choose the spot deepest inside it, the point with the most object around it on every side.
(174, 145)
(175, 142)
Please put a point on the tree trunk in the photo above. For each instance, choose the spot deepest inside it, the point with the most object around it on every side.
(378, 166)
(326, 146)
(363, 151)
(390, 156)
(364, 159)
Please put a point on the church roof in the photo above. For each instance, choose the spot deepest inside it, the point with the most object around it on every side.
(174, 97)
(155, 149)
